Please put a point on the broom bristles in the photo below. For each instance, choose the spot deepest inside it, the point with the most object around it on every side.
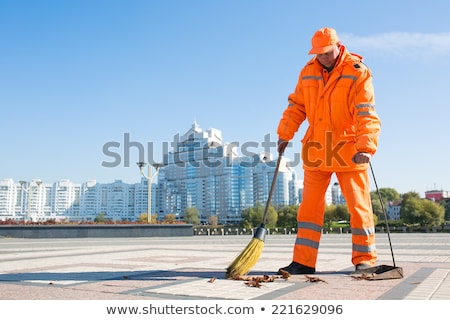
(245, 261)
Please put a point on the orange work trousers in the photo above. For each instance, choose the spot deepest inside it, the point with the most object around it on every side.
(310, 216)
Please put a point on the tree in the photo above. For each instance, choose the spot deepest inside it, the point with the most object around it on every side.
(287, 217)
(252, 217)
(419, 211)
(100, 218)
(446, 205)
(329, 216)
(191, 215)
(143, 218)
(170, 218)
(387, 194)
(432, 213)
(342, 212)
(338, 212)
(376, 205)
(249, 217)
(213, 221)
(335, 213)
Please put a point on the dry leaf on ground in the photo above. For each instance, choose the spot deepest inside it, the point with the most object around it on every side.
(314, 279)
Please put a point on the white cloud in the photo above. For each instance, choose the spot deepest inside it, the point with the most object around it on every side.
(403, 44)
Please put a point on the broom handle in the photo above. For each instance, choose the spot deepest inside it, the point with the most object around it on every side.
(272, 188)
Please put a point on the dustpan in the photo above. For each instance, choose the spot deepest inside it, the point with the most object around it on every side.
(381, 272)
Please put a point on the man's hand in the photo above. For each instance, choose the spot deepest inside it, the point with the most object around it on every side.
(361, 157)
(282, 144)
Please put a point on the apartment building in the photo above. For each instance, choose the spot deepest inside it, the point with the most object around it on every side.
(201, 171)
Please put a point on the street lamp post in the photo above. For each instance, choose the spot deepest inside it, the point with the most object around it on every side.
(149, 178)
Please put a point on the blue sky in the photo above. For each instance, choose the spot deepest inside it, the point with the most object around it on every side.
(76, 75)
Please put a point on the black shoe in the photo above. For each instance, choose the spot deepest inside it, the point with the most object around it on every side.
(362, 266)
(297, 268)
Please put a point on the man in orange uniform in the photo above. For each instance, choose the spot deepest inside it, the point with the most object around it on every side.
(335, 95)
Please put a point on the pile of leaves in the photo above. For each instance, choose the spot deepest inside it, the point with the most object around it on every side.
(257, 281)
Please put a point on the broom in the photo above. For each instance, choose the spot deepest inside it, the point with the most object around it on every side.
(249, 257)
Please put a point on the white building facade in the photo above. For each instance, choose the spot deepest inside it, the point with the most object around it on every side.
(201, 171)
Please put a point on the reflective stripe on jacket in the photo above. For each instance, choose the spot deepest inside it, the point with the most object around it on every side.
(340, 110)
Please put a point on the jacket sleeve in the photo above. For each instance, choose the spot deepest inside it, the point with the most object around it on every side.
(293, 115)
(366, 119)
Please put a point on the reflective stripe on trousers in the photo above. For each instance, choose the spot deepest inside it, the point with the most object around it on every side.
(310, 217)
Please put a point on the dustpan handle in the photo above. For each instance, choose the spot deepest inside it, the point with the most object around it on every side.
(384, 212)
(272, 188)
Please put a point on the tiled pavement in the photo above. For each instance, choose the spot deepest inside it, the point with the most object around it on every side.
(193, 268)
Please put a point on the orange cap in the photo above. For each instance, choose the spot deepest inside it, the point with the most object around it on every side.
(323, 40)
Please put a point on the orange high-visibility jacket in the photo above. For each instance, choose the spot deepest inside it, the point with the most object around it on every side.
(340, 111)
